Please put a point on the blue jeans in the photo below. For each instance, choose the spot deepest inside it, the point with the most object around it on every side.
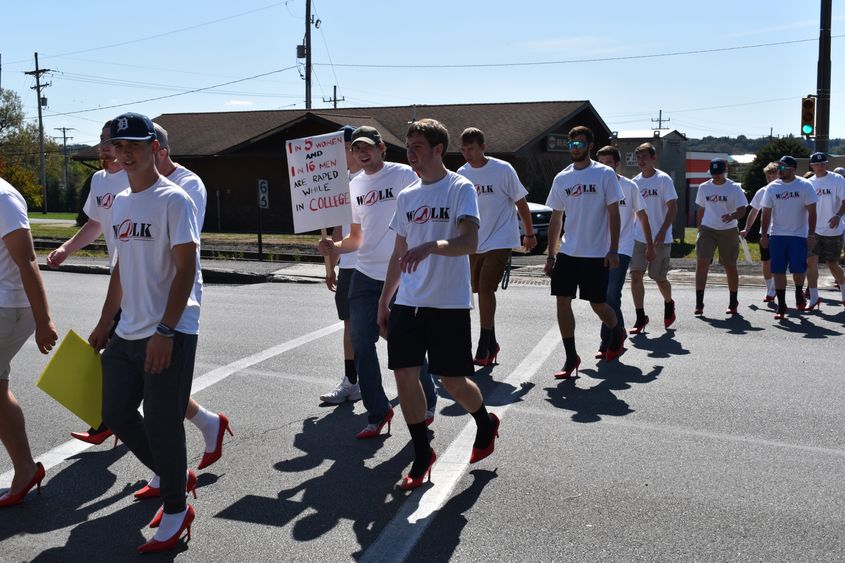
(615, 282)
(364, 294)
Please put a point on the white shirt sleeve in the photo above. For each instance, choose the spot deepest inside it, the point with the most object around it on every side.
(399, 224)
(468, 204)
(12, 215)
(182, 221)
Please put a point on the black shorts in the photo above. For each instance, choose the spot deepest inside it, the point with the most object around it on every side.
(341, 296)
(765, 255)
(444, 334)
(587, 275)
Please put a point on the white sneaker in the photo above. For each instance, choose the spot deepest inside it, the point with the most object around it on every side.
(345, 391)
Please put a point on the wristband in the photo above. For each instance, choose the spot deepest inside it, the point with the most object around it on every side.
(550, 259)
(530, 236)
(165, 331)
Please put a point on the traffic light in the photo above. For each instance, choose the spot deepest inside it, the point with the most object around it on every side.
(808, 116)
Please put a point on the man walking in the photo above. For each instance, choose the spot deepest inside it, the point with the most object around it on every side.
(436, 226)
(720, 203)
(830, 191)
(789, 207)
(661, 199)
(589, 193)
(631, 212)
(771, 172)
(151, 356)
(373, 195)
(498, 188)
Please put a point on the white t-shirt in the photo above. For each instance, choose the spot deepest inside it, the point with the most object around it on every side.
(373, 204)
(830, 190)
(427, 212)
(193, 186)
(349, 261)
(498, 188)
(12, 217)
(757, 202)
(718, 201)
(146, 225)
(788, 202)
(630, 204)
(657, 191)
(584, 196)
(104, 187)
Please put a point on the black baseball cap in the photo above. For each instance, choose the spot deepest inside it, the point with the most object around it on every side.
(818, 157)
(132, 127)
(366, 134)
(788, 161)
(718, 166)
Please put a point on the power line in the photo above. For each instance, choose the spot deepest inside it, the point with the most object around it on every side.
(577, 61)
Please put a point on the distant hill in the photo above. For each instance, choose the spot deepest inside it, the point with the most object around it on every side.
(744, 145)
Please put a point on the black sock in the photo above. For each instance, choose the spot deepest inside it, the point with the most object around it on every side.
(699, 298)
(781, 295)
(799, 294)
(668, 308)
(493, 342)
(484, 347)
(569, 346)
(351, 372)
(734, 300)
(484, 432)
(101, 428)
(640, 316)
(422, 449)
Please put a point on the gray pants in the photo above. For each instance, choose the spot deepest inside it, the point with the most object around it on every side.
(158, 438)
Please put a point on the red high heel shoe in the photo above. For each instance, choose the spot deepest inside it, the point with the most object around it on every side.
(490, 359)
(478, 454)
(768, 298)
(781, 314)
(95, 437)
(566, 373)
(732, 309)
(599, 355)
(155, 546)
(811, 306)
(373, 430)
(154, 492)
(10, 499)
(407, 483)
(639, 328)
(210, 457)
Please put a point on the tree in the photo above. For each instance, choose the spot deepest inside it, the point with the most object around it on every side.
(11, 112)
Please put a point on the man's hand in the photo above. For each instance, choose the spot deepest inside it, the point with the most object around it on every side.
(331, 281)
(45, 336)
(834, 221)
(326, 247)
(383, 318)
(728, 217)
(650, 254)
(743, 233)
(549, 267)
(611, 260)
(99, 337)
(412, 258)
(764, 241)
(811, 241)
(55, 258)
(529, 242)
(159, 354)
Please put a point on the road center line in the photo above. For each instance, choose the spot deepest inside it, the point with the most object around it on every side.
(73, 447)
(404, 530)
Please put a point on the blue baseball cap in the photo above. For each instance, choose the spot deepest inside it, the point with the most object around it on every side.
(818, 157)
(788, 161)
(132, 127)
(718, 166)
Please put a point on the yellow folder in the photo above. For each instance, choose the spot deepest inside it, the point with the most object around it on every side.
(74, 378)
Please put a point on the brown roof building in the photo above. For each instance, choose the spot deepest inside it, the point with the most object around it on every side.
(230, 151)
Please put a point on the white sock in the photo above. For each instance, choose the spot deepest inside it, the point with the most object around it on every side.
(170, 524)
(770, 286)
(155, 482)
(814, 294)
(209, 424)
(842, 290)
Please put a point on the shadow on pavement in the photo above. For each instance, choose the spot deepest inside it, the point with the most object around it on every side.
(664, 346)
(369, 494)
(801, 323)
(733, 324)
(587, 405)
(495, 393)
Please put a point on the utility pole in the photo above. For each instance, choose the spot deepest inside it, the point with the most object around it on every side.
(307, 54)
(823, 79)
(334, 99)
(42, 101)
(64, 131)
(660, 120)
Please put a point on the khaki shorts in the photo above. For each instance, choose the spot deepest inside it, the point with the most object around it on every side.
(828, 249)
(16, 325)
(657, 268)
(487, 269)
(726, 240)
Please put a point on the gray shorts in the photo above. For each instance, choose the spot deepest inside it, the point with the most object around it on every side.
(657, 268)
(828, 249)
(16, 325)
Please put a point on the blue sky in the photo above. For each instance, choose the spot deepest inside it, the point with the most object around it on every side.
(118, 54)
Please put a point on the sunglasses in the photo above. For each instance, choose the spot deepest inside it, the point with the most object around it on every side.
(576, 145)
(782, 167)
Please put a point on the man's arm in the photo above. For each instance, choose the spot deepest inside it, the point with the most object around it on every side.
(837, 217)
(612, 258)
(764, 227)
(736, 215)
(529, 238)
(99, 337)
(349, 243)
(22, 252)
(160, 348)
(671, 211)
(811, 225)
(391, 283)
(87, 234)
(699, 216)
(555, 227)
(465, 243)
(752, 216)
(649, 239)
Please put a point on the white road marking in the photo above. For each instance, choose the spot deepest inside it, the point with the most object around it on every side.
(399, 536)
(73, 447)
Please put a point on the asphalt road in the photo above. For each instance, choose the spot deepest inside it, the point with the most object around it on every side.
(721, 440)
